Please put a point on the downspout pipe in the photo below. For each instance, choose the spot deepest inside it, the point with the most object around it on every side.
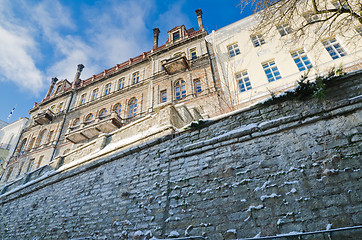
(62, 127)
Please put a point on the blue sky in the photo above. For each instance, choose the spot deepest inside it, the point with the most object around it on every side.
(41, 39)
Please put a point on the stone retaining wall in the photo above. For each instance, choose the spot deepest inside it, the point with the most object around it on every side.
(289, 166)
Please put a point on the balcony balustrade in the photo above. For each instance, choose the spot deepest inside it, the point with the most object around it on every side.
(44, 117)
(176, 64)
(91, 129)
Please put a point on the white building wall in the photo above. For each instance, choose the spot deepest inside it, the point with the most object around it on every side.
(276, 48)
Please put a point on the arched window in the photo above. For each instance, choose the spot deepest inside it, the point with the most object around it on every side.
(132, 107)
(22, 145)
(118, 109)
(102, 112)
(41, 138)
(180, 89)
(76, 122)
(31, 143)
(89, 118)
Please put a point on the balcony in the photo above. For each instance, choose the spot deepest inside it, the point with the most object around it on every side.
(91, 129)
(176, 64)
(44, 117)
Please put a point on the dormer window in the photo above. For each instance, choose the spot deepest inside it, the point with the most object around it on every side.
(176, 35)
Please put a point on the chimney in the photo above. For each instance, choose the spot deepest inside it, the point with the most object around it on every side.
(54, 81)
(199, 18)
(156, 32)
(77, 75)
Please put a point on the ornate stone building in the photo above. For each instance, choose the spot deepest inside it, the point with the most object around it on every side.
(168, 86)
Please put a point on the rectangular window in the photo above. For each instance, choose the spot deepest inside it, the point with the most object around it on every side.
(50, 136)
(233, 50)
(176, 36)
(271, 71)
(82, 99)
(311, 17)
(197, 86)
(95, 94)
(108, 89)
(359, 30)
(60, 107)
(337, 4)
(177, 54)
(121, 83)
(243, 81)
(8, 174)
(30, 166)
(257, 40)
(284, 29)
(334, 48)
(20, 169)
(163, 96)
(193, 53)
(301, 59)
(135, 77)
(40, 160)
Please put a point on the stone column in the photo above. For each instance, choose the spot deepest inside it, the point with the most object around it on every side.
(199, 18)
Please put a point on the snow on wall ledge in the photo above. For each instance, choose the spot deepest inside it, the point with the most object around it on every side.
(292, 166)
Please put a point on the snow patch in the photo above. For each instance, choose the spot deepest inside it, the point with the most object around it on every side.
(273, 195)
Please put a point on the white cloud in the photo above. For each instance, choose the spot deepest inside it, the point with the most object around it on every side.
(46, 34)
(16, 46)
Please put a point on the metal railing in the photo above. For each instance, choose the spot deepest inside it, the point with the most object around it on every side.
(329, 234)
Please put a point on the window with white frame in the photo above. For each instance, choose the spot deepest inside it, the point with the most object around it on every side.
(180, 89)
(108, 89)
(176, 35)
(121, 83)
(243, 81)
(271, 71)
(95, 94)
(301, 59)
(334, 48)
(257, 40)
(193, 53)
(337, 4)
(233, 50)
(197, 85)
(311, 17)
(284, 29)
(163, 96)
(83, 99)
(135, 77)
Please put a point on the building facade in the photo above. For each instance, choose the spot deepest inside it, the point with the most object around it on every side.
(9, 137)
(176, 76)
(254, 65)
